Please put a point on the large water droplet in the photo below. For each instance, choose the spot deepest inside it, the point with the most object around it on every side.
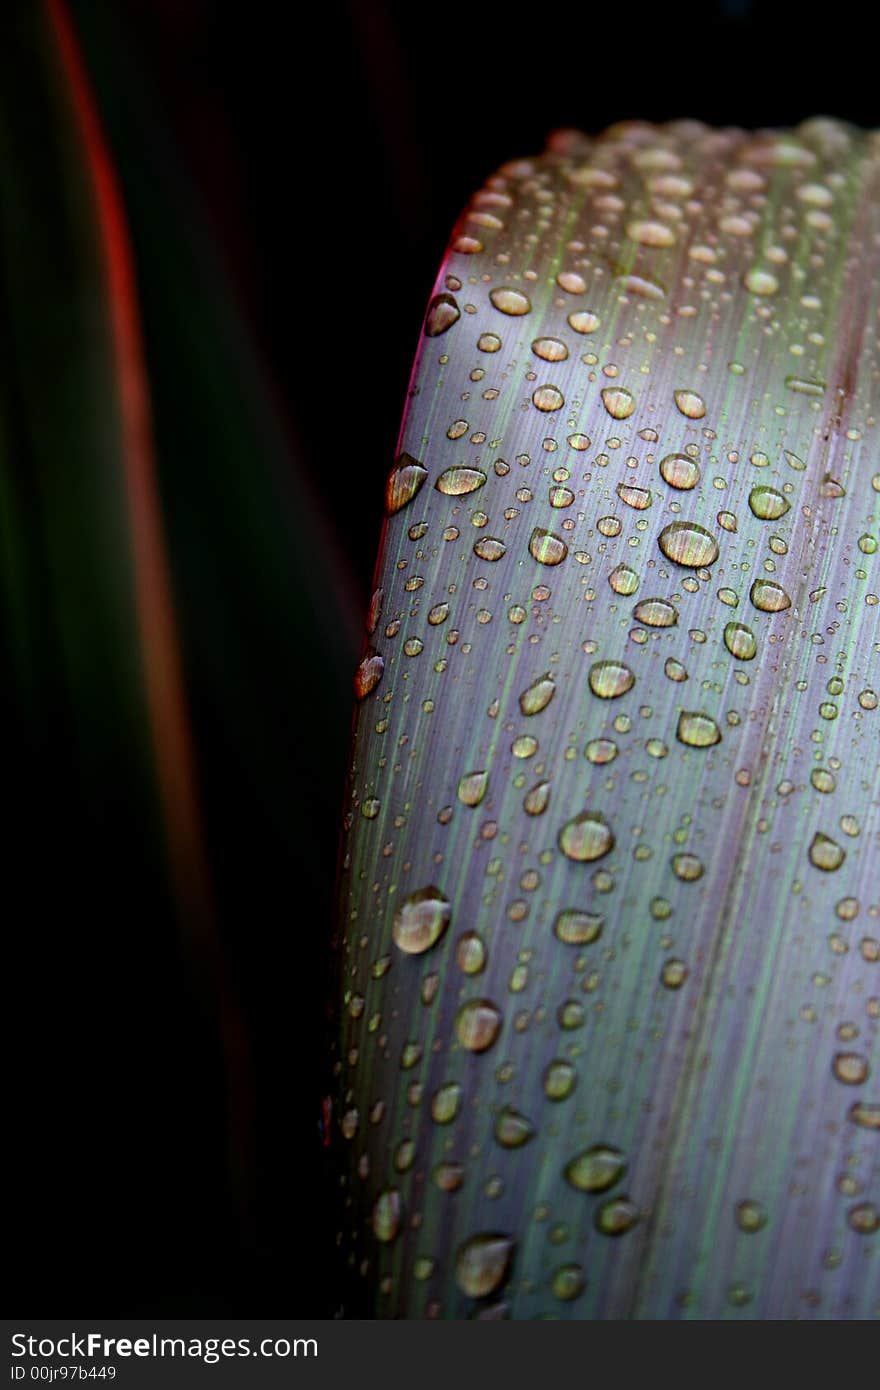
(478, 1024)
(546, 548)
(459, 481)
(387, 1215)
(596, 1169)
(577, 928)
(483, 1263)
(510, 301)
(421, 920)
(512, 1129)
(826, 853)
(442, 313)
(697, 730)
(538, 695)
(548, 398)
(404, 481)
(679, 471)
(472, 788)
(740, 641)
(769, 597)
(609, 679)
(767, 504)
(586, 837)
(489, 548)
(655, 612)
(623, 580)
(368, 674)
(691, 404)
(687, 544)
(619, 402)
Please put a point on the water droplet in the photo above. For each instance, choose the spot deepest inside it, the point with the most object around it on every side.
(568, 1282)
(697, 730)
(687, 867)
(609, 679)
(548, 398)
(601, 750)
(421, 920)
(445, 1102)
(769, 597)
(673, 974)
(510, 301)
(826, 853)
(546, 548)
(442, 313)
(638, 497)
(616, 1216)
(559, 1080)
(577, 928)
(538, 695)
(470, 952)
(596, 1169)
(404, 481)
(586, 837)
(483, 1263)
(740, 641)
(623, 580)
(387, 1215)
(368, 674)
(865, 1114)
(536, 801)
(655, 612)
(759, 281)
(489, 548)
(750, 1215)
(680, 471)
(583, 321)
(851, 1068)
(727, 521)
(690, 404)
(478, 1024)
(864, 1218)
(687, 544)
(459, 481)
(619, 402)
(550, 349)
(651, 233)
(472, 788)
(767, 504)
(673, 668)
(512, 1129)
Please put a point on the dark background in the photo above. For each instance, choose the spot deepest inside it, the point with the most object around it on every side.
(331, 147)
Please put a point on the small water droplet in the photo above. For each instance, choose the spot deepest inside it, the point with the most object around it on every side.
(623, 580)
(616, 1216)
(568, 1282)
(445, 1102)
(548, 398)
(639, 498)
(759, 281)
(750, 1215)
(512, 1129)
(851, 1068)
(596, 1169)
(489, 548)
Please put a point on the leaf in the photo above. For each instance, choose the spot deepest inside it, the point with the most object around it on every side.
(652, 936)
